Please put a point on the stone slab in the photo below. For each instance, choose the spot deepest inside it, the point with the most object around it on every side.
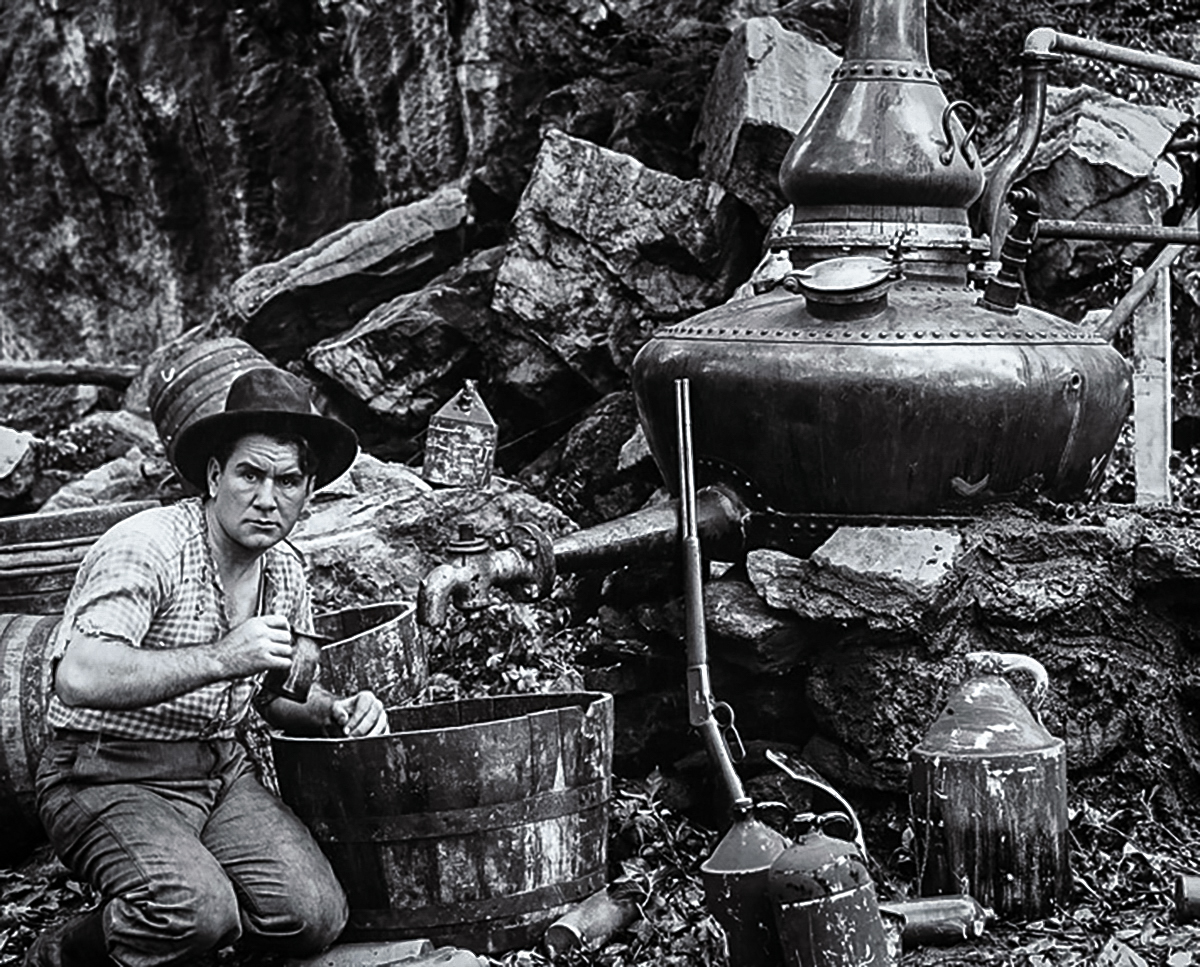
(390, 953)
(917, 556)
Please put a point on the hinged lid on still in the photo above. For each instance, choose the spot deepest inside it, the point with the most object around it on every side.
(987, 717)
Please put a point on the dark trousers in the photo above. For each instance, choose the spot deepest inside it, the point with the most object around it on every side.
(187, 847)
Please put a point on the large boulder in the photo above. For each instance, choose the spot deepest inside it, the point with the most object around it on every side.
(283, 307)
(766, 84)
(1099, 159)
(155, 153)
(597, 471)
(410, 355)
(605, 250)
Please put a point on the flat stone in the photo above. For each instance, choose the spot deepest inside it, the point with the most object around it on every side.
(386, 953)
(14, 446)
(919, 557)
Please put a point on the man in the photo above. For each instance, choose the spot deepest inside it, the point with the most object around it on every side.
(175, 616)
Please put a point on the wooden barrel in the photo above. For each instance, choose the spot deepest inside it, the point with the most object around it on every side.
(375, 647)
(41, 553)
(475, 823)
(194, 383)
(24, 692)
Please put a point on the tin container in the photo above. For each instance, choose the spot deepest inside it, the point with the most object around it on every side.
(988, 792)
(460, 446)
(825, 905)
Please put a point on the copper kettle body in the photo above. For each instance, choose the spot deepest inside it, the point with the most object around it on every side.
(824, 902)
(875, 380)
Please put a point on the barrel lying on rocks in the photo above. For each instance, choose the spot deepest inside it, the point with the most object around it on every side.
(24, 692)
(193, 383)
(474, 823)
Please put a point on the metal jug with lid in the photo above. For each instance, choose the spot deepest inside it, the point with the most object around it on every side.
(824, 902)
(988, 794)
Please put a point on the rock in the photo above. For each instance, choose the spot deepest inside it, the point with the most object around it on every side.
(283, 307)
(590, 474)
(1167, 557)
(888, 579)
(133, 476)
(766, 84)
(604, 250)
(109, 456)
(872, 706)
(745, 631)
(410, 355)
(1097, 160)
(18, 463)
(907, 560)
(389, 953)
(373, 534)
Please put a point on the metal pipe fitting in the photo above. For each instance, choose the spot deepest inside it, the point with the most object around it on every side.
(653, 532)
(1034, 66)
(1043, 47)
(523, 564)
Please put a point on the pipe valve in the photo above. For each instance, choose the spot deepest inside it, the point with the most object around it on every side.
(520, 561)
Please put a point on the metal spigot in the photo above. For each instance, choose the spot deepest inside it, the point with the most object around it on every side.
(1004, 289)
(521, 561)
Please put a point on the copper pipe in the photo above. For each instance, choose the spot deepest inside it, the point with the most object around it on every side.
(1029, 131)
(1118, 232)
(1129, 302)
(1042, 47)
(653, 533)
(1046, 40)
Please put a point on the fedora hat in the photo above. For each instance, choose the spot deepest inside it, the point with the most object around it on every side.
(272, 401)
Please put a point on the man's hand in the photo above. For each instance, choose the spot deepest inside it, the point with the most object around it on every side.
(359, 715)
(256, 645)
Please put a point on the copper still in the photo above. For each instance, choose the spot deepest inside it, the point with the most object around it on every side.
(880, 379)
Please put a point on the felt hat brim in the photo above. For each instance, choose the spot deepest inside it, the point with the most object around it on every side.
(334, 444)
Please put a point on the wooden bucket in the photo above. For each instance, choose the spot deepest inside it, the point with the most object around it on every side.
(195, 382)
(475, 823)
(24, 692)
(375, 647)
(41, 553)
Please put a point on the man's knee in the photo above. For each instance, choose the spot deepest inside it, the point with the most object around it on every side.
(308, 919)
(183, 920)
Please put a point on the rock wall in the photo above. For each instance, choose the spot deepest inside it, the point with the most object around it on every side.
(152, 155)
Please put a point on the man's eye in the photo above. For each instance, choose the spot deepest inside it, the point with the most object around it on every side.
(289, 482)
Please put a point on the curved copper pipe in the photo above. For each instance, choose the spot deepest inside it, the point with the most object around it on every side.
(1034, 66)
(1042, 47)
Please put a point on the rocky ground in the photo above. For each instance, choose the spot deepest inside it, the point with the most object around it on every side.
(1126, 853)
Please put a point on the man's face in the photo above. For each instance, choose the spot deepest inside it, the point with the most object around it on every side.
(259, 494)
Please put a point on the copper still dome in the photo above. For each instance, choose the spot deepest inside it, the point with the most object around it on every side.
(877, 380)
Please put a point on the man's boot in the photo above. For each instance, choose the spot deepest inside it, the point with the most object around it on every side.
(78, 942)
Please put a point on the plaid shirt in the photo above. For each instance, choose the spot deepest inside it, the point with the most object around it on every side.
(150, 582)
